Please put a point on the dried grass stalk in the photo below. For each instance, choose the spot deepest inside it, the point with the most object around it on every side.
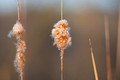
(61, 63)
(93, 61)
(61, 10)
(118, 49)
(17, 31)
(107, 45)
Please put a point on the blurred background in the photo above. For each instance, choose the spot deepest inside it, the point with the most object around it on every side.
(86, 18)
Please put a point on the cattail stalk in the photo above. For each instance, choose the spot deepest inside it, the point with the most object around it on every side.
(61, 48)
(93, 60)
(107, 45)
(22, 57)
(18, 11)
(21, 75)
(118, 48)
(61, 63)
(61, 10)
(17, 31)
(61, 36)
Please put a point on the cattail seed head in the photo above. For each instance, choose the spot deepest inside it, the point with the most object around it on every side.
(60, 34)
(21, 46)
(20, 56)
(17, 30)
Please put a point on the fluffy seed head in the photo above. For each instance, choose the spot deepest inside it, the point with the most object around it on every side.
(17, 30)
(21, 46)
(19, 61)
(60, 34)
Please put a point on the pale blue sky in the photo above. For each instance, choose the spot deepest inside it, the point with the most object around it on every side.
(103, 5)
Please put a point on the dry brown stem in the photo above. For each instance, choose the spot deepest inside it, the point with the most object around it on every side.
(107, 45)
(93, 61)
(61, 10)
(61, 63)
(18, 11)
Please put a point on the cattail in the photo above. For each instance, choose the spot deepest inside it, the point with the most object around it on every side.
(60, 33)
(21, 46)
(62, 38)
(17, 31)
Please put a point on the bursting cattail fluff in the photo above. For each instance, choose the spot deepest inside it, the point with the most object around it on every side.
(61, 35)
(21, 46)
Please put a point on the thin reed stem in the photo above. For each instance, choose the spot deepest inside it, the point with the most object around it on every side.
(118, 48)
(61, 10)
(93, 61)
(61, 63)
(107, 45)
(18, 8)
(18, 11)
(21, 75)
